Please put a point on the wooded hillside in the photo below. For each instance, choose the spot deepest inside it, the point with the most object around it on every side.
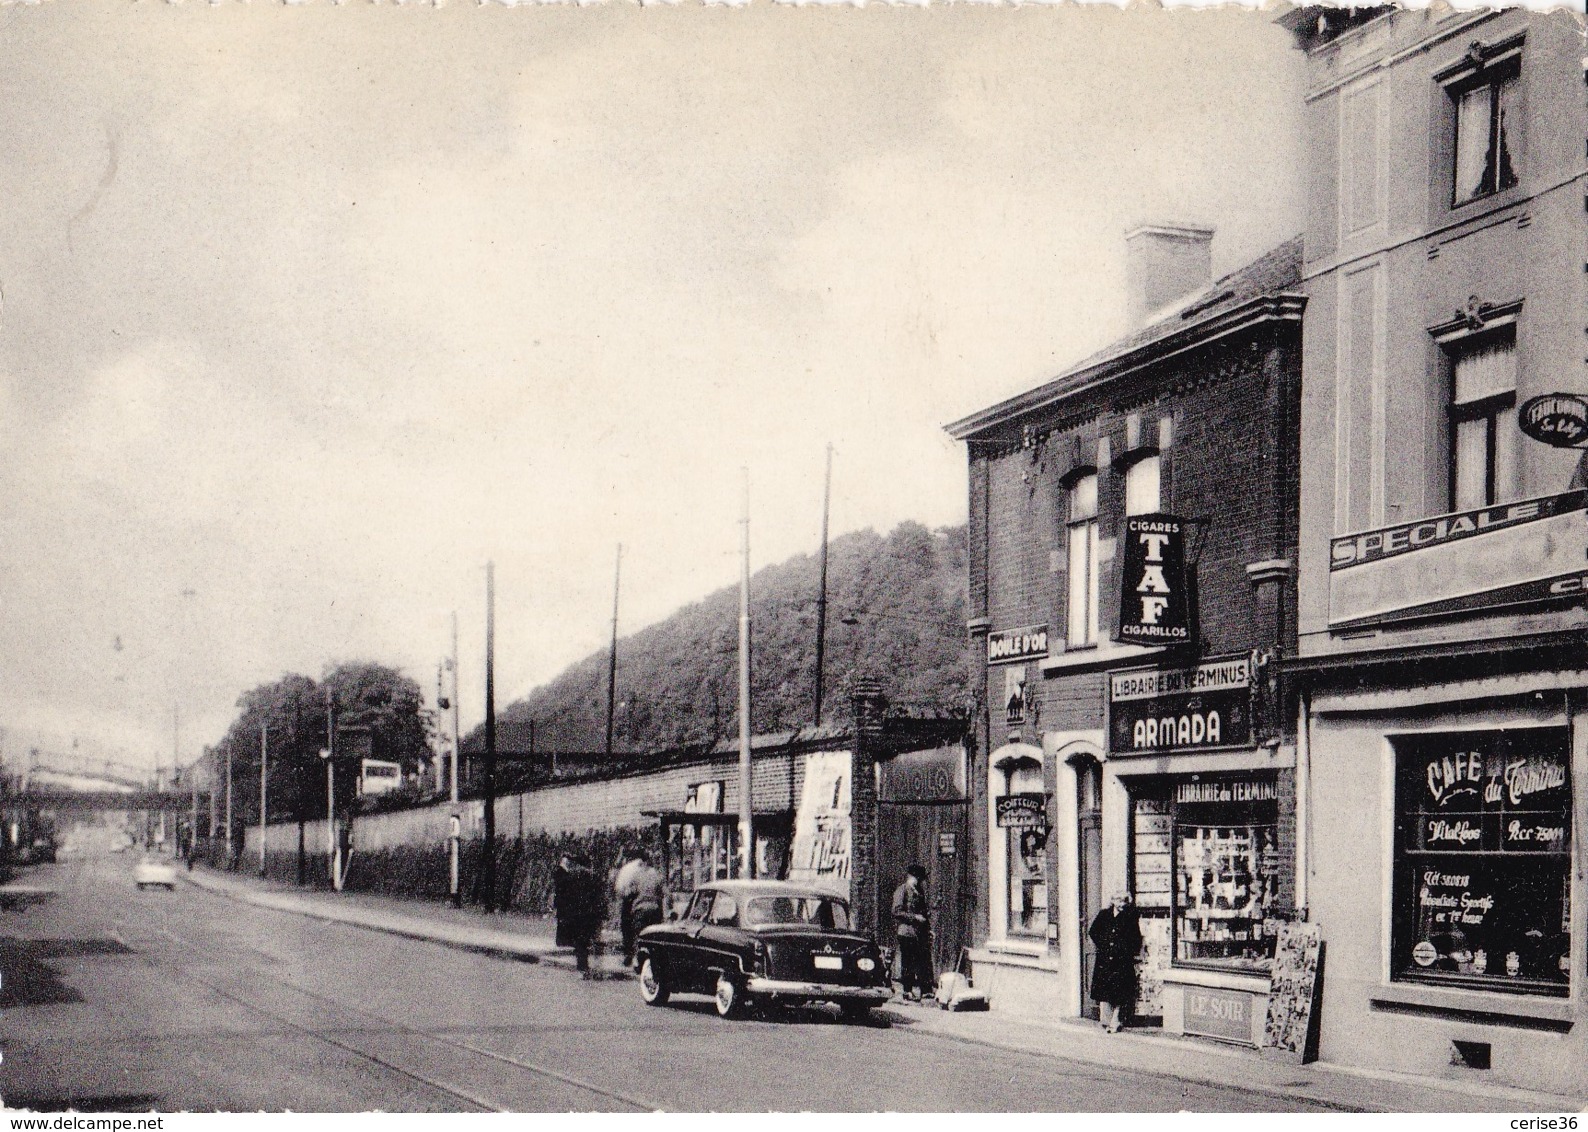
(896, 610)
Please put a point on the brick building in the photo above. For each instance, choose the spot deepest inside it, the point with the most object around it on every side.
(1440, 573)
(1132, 530)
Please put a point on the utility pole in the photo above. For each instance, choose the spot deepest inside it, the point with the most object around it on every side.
(821, 593)
(264, 784)
(612, 654)
(457, 750)
(192, 825)
(490, 737)
(746, 822)
(333, 848)
(228, 804)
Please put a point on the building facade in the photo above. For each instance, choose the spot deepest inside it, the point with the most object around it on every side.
(1442, 740)
(1131, 539)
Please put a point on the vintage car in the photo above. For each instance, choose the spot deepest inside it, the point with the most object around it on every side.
(772, 942)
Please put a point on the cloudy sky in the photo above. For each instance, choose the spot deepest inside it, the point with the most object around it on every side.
(310, 311)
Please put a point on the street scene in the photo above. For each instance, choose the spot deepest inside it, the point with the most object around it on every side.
(630, 558)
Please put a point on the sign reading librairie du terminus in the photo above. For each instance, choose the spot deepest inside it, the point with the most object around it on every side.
(1154, 711)
(1010, 646)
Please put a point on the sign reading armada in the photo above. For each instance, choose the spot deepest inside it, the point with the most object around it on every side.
(1156, 711)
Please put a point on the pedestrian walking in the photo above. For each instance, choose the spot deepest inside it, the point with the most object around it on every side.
(647, 902)
(912, 927)
(1116, 933)
(562, 900)
(623, 889)
(586, 912)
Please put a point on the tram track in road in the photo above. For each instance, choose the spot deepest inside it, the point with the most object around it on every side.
(341, 1037)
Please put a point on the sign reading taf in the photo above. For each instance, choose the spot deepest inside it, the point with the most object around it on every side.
(1154, 605)
(1510, 554)
(1153, 711)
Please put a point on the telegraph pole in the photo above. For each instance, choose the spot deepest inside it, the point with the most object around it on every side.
(457, 751)
(333, 850)
(490, 737)
(612, 654)
(228, 804)
(264, 783)
(821, 594)
(746, 822)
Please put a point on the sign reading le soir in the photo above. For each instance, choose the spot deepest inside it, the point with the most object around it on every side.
(1154, 711)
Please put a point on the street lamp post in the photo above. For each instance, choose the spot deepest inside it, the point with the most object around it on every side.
(264, 782)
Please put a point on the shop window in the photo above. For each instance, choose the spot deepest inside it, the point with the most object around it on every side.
(1206, 855)
(1025, 848)
(1081, 625)
(1483, 427)
(1485, 121)
(1482, 860)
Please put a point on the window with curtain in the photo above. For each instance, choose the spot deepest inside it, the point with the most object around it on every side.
(1485, 141)
(1483, 428)
(1081, 626)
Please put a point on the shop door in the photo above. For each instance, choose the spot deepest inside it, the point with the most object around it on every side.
(932, 835)
(1089, 839)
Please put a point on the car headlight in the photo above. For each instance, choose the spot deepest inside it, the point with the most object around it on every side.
(866, 964)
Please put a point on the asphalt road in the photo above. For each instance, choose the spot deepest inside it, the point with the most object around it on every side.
(114, 999)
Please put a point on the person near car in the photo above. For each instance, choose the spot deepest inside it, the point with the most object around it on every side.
(646, 905)
(623, 889)
(912, 928)
(1116, 933)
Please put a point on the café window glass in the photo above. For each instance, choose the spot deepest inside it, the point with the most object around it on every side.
(1224, 834)
(1482, 860)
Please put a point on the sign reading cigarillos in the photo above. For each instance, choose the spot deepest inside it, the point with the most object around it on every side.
(1154, 601)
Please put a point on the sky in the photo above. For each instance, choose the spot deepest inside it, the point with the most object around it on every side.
(308, 312)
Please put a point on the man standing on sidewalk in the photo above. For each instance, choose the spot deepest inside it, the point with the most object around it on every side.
(646, 902)
(913, 928)
(623, 889)
(585, 895)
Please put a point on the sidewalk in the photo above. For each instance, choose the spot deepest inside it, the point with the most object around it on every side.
(530, 939)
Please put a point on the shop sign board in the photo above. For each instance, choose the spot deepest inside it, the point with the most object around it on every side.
(1217, 1013)
(1010, 646)
(1557, 419)
(1154, 600)
(1164, 711)
(1022, 811)
(1510, 554)
(936, 775)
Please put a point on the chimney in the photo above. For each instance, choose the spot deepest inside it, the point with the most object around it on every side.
(1163, 264)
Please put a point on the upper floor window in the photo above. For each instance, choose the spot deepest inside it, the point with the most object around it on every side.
(1083, 571)
(1483, 422)
(1485, 139)
(1141, 486)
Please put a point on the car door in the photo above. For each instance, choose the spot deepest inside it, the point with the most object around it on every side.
(686, 970)
(720, 942)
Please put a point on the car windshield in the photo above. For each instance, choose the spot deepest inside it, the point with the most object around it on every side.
(821, 911)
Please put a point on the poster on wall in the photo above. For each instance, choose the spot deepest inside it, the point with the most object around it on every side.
(821, 852)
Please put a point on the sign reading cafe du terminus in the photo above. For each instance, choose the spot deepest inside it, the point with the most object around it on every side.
(1161, 710)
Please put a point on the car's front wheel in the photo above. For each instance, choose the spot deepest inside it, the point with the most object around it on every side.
(652, 989)
(730, 999)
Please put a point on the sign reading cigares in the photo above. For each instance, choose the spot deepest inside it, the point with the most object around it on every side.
(1154, 600)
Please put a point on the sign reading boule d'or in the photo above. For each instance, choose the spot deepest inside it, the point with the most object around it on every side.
(1557, 419)
(1154, 604)
(1010, 646)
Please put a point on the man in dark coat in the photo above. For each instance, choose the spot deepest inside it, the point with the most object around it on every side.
(912, 927)
(586, 911)
(1116, 933)
(562, 901)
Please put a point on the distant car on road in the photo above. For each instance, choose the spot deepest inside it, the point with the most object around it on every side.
(152, 872)
(763, 941)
